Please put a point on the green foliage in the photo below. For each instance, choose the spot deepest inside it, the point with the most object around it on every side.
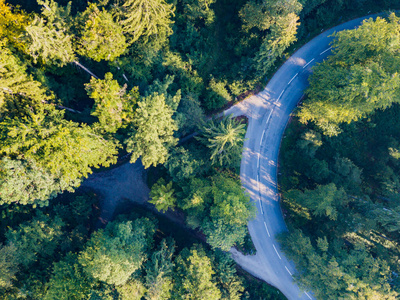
(101, 37)
(113, 106)
(62, 148)
(358, 79)
(352, 275)
(280, 21)
(158, 272)
(182, 164)
(153, 129)
(12, 23)
(114, 254)
(195, 280)
(220, 208)
(162, 195)
(344, 196)
(18, 88)
(25, 183)
(48, 37)
(225, 140)
(323, 201)
(68, 281)
(9, 265)
(36, 238)
(217, 95)
(143, 18)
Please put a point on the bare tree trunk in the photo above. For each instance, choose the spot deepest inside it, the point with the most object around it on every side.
(85, 69)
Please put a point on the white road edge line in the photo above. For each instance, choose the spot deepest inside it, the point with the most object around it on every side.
(280, 95)
(288, 271)
(293, 78)
(276, 251)
(307, 295)
(262, 137)
(269, 117)
(305, 66)
(325, 50)
(267, 229)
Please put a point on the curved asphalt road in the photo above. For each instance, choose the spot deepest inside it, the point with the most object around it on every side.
(268, 113)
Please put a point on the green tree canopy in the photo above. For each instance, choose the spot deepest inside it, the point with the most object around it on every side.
(195, 276)
(153, 129)
(159, 270)
(68, 281)
(325, 200)
(113, 106)
(100, 37)
(62, 148)
(114, 254)
(359, 78)
(18, 89)
(36, 238)
(143, 18)
(279, 20)
(162, 195)
(225, 140)
(48, 36)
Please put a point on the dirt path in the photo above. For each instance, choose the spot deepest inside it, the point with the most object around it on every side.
(124, 182)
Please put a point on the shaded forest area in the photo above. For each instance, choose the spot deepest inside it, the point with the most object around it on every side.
(340, 169)
(160, 67)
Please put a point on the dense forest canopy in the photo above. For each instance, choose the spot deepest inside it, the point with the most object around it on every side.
(343, 200)
(85, 84)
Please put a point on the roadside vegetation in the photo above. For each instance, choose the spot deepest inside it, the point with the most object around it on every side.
(83, 84)
(340, 169)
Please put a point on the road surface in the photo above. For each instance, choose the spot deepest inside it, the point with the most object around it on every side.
(268, 113)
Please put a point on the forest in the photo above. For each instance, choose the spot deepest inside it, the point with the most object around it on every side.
(83, 85)
(342, 201)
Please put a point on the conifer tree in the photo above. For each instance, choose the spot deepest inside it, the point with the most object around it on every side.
(143, 18)
(153, 129)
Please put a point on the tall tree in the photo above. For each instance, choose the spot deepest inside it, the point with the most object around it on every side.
(18, 89)
(359, 78)
(114, 106)
(9, 265)
(159, 271)
(12, 24)
(114, 254)
(278, 21)
(325, 200)
(162, 195)
(194, 276)
(143, 18)
(153, 129)
(48, 36)
(225, 140)
(68, 281)
(100, 37)
(36, 238)
(62, 148)
(25, 182)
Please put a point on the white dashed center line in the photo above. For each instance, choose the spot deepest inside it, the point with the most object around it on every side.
(325, 50)
(276, 251)
(288, 271)
(305, 66)
(266, 228)
(293, 78)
